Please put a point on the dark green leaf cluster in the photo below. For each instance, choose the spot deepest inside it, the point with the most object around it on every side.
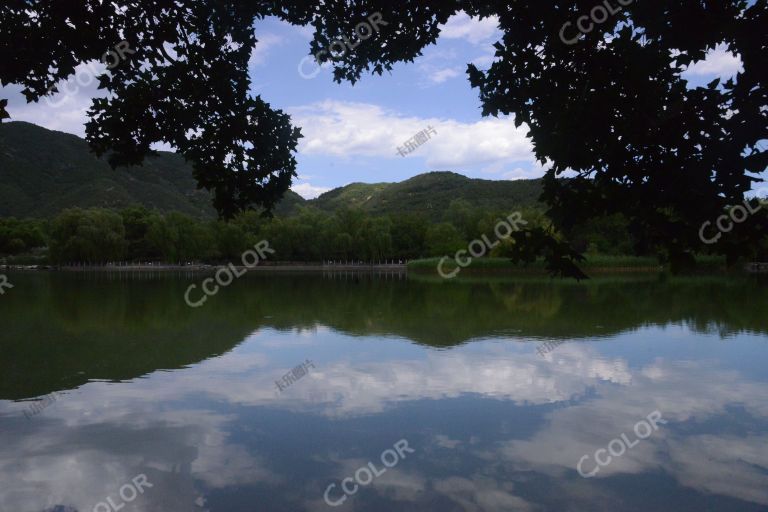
(184, 83)
(136, 234)
(613, 109)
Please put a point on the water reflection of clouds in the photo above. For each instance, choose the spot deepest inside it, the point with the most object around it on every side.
(70, 454)
(726, 465)
(350, 388)
(345, 388)
(683, 392)
(79, 468)
(481, 493)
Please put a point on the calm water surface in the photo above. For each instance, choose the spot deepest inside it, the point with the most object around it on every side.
(499, 388)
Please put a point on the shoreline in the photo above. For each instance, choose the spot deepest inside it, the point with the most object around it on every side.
(206, 268)
(419, 268)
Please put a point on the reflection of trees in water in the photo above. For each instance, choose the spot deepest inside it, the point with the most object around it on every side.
(60, 330)
(63, 330)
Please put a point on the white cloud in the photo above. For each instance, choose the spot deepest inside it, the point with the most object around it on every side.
(345, 129)
(260, 52)
(70, 116)
(515, 174)
(503, 172)
(718, 62)
(437, 66)
(482, 493)
(474, 30)
(306, 31)
(70, 455)
(481, 33)
(691, 392)
(441, 75)
(485, 60)
(65, 110)
(309, 191)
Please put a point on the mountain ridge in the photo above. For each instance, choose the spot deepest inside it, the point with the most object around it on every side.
(44, 171)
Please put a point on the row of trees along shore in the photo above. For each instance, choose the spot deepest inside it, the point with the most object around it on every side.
(137, 234)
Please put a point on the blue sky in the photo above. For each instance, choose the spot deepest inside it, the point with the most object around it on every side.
(352, 133)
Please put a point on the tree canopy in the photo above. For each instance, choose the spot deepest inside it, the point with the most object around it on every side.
(608, 106)
(184, 81)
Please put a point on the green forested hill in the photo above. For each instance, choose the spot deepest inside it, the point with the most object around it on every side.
(354, 195)
(43, 172)
(431, 194)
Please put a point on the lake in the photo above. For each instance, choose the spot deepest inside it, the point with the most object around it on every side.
(383, 393)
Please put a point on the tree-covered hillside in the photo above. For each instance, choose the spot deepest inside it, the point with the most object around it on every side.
(431, 195)
(43, 172)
